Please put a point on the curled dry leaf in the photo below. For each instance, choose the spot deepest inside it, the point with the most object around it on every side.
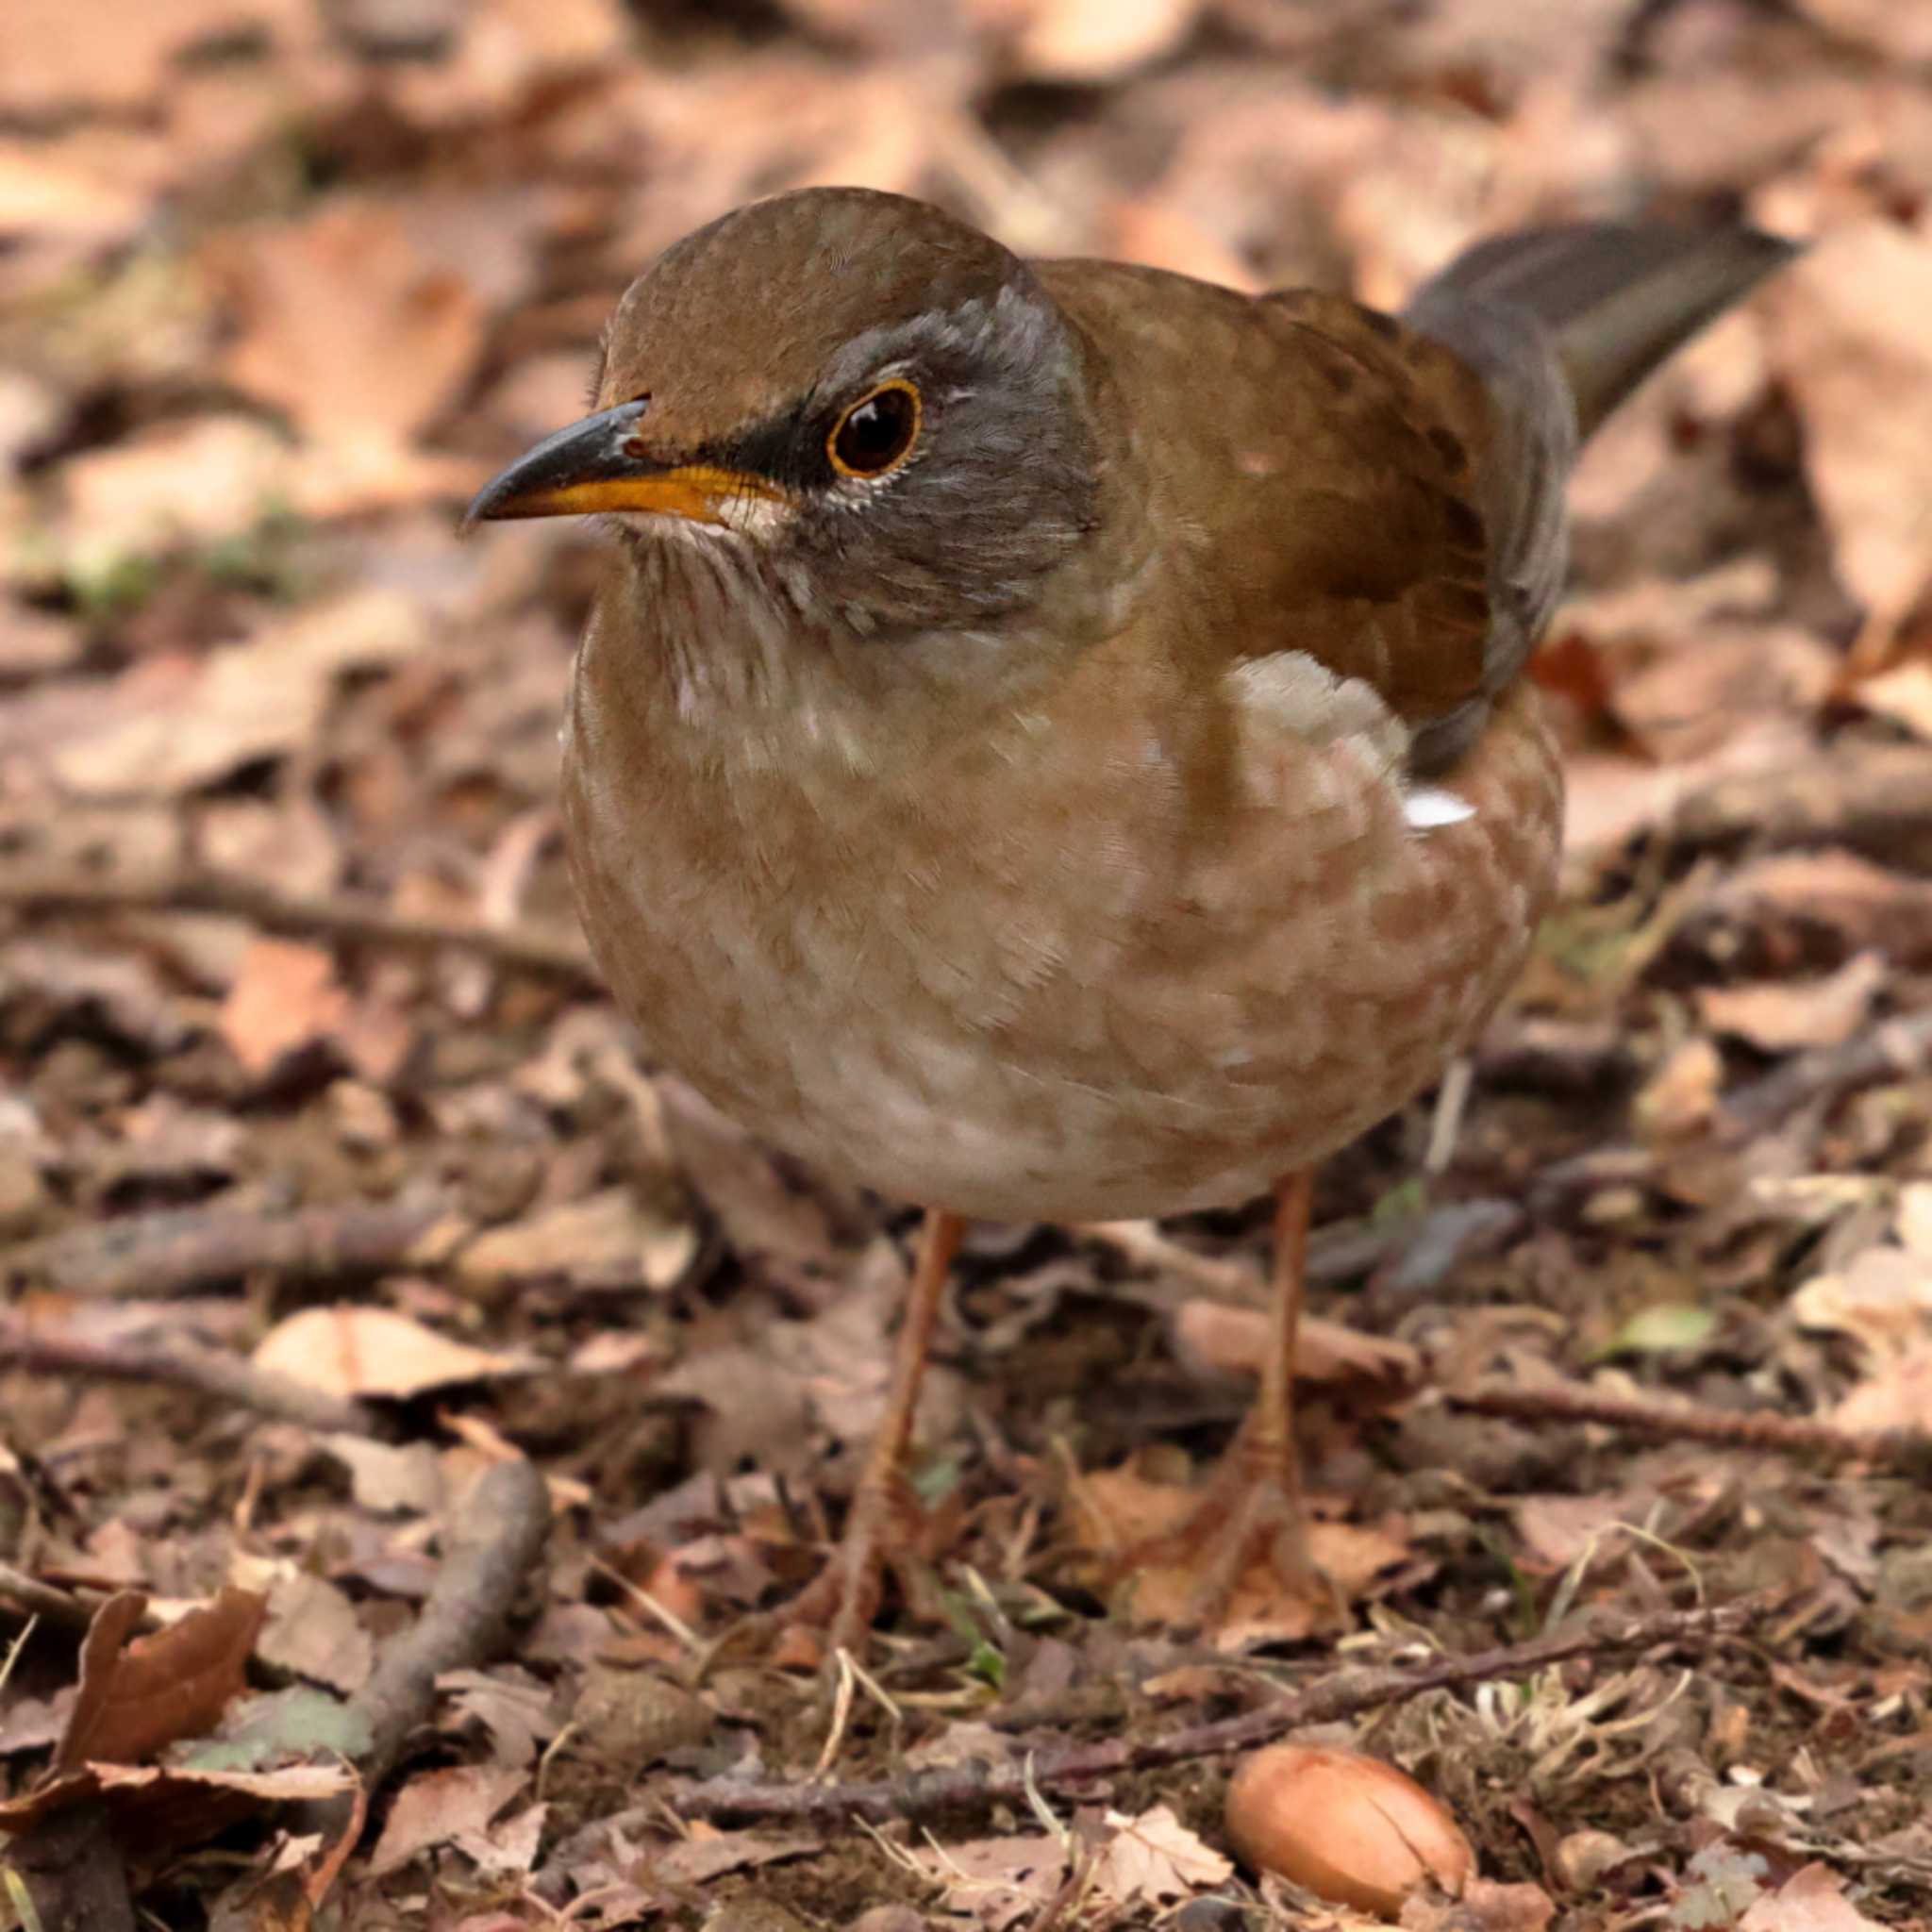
(1351, 1830)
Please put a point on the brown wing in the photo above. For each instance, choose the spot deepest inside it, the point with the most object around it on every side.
(1316, 475)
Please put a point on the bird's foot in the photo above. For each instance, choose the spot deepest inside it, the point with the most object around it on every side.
(835, 1611)
(1240, 1552)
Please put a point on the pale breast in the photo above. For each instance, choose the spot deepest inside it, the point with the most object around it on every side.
(1052, 978)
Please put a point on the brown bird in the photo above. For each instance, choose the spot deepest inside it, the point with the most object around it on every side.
(1054, 744)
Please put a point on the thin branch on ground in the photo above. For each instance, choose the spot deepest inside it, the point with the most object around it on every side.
(494, 1548)
(975, 1784)
(350, 920)
(64, 1608)
(1893, 1050)
(180, 1249)
(1660, 1421)
(182, 1364)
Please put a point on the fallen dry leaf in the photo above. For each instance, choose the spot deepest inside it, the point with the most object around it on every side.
(1813, 1899)
(169, 727)
(136, 1697)
(1232, 1341)
(1882, 1298)
(1788, 1016)
(312, 1631)
(285, 997)
(440, 1806)
(60, 53)
(1115, 1509)
(1904, 694)
(1084, 41)
(351, 1350)
(362, 340)
(1850, 339)
(612, 1239)
(995, 1882)
(1154, 1858)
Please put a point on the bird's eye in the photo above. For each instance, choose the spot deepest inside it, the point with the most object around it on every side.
(877, 432)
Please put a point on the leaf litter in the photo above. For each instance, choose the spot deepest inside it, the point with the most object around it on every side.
(303, 1083)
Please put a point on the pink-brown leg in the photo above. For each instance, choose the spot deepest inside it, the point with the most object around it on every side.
(844, 1596)
(1251, 1510)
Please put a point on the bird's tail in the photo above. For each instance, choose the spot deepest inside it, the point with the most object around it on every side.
(1610, 301)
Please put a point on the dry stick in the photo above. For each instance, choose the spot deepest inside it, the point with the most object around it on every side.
(178, 1249)
(30, 1597)
(1346, 1694)
(347, 919)
(184, 1365)
(492, 1549)
(1907, 1449)
(1894, 1049)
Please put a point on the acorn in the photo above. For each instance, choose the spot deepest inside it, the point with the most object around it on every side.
(1350, 1829)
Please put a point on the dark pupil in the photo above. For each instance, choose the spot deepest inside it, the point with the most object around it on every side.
(876, 432)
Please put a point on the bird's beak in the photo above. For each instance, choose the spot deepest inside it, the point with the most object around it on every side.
(600, 464)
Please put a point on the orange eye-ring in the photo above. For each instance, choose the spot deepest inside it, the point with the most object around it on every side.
(877, 434)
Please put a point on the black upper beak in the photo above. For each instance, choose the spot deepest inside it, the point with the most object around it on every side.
(569, 472)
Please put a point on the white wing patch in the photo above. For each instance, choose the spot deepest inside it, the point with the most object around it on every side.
(1429, 807)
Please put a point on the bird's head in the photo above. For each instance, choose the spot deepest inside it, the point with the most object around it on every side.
(878, 404)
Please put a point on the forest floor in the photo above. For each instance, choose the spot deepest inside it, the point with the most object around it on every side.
(406, 1387)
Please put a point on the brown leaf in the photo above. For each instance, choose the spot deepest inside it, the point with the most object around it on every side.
(1903, 33)
(1904, 694)
(1850, 337)
(313, 1631)
(135, 1698)
(996, 1882)
(610, 1239)
(1084, 41)
(170, 725)
(1231, 1340)
(352, 1350)
(285, 997)
(59, 53)
(1863, 904)
(1115, 1509)
(176, 484)
(1787, 1016)
(154, 1809)
(1154, 1858)
(1813, 1899)
(361, 339)
(440, 1806)
(701, 1860)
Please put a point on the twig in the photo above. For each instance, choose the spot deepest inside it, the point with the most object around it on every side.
(64, 1608)
(977, 1785)
(1907, 1449)
(491, 1551)
(1888, 1052)
(353, 920)
(184, 1365)
(178, 1249)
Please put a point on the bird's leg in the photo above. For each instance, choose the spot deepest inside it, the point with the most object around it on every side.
(844, 1596)
(1251, 1510)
